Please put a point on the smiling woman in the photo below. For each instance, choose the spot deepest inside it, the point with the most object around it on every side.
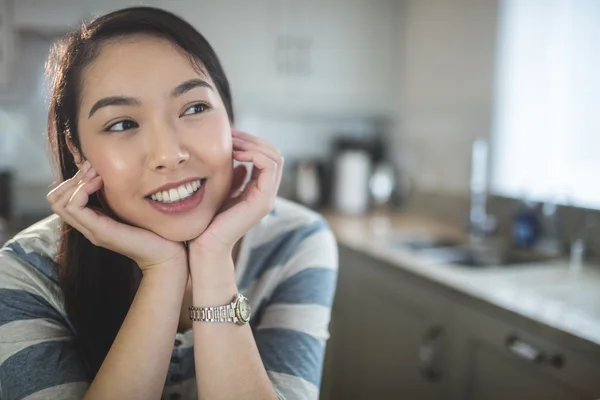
(155, 239)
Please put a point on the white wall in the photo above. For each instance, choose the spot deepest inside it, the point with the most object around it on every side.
(446, 88)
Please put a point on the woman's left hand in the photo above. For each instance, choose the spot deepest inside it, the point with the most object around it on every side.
(243, 211)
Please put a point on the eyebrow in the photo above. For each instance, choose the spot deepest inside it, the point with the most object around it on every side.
(113, 101)
(130, 101)
(189, 85)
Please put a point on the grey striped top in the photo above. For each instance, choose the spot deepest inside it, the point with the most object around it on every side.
(287, 267)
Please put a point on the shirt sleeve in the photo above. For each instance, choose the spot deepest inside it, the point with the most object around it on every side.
(38, 358)
(294, 324)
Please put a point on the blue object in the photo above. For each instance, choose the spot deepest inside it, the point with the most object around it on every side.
(526, 226)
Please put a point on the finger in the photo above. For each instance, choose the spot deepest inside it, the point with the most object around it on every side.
(245, 145)
(277, 157)
(68, 184)
(61, 202)
(76, 211)
(265, 168)
(69, 213)
(254, 139)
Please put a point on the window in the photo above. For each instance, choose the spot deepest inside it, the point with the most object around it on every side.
(546, 133)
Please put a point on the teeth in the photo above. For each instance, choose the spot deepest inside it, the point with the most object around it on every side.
(176, 194)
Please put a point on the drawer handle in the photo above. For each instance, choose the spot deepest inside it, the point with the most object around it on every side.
(530, 353)
(427, 354)
(524, 350)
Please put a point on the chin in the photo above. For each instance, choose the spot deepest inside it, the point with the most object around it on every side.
(180, 233)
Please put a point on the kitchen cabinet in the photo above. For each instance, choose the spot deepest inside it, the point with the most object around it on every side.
(7, 45)
(395, 335)
(317, 57)
(333, 55)
(387, 335)
(493, 359)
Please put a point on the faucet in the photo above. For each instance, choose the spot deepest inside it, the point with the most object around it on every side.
(481, 224)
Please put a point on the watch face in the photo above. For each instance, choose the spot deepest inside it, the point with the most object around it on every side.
(245, 309)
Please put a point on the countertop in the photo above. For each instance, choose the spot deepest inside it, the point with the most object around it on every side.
(546, 292)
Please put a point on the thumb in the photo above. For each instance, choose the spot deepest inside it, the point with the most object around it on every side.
(240, 173)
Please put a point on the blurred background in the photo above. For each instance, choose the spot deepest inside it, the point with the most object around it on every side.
(451, 144)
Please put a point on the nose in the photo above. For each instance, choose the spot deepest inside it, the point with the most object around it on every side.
(166, 149)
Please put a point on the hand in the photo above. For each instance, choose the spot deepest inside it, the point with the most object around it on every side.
(243, 211)
(69, 200)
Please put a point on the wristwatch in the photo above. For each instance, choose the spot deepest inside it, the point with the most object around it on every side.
(238, 311)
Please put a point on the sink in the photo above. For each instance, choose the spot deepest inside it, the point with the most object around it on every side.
(422, 242)
(483, 256)
(450, 251)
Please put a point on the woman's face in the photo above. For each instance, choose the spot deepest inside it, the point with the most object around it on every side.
(149, 123)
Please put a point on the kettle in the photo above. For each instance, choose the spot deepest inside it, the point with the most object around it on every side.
(351, 173)
(308, 183)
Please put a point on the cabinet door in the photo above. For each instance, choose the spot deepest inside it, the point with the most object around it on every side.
(491, 359)
(388, 334)
(333, 55)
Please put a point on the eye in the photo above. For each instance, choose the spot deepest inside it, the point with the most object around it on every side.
(122, 126)
(196, 109)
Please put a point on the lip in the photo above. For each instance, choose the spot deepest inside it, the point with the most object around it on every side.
(172, 185)
(181, 206)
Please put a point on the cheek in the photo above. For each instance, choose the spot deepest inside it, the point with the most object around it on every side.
(117, 167)
(214, 144)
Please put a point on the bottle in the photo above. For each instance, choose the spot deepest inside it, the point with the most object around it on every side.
(526, 225)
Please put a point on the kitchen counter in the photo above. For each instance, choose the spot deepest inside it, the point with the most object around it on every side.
(546, 292)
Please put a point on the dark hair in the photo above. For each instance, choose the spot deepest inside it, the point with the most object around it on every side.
(98, 284)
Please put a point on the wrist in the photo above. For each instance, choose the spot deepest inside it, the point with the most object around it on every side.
(211, 272)
(175, 268)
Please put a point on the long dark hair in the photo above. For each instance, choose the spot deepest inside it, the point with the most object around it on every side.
(98, 284)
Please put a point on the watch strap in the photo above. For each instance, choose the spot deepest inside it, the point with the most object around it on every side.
(224, 313)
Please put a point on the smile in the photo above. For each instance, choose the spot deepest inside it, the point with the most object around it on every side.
(179, 193)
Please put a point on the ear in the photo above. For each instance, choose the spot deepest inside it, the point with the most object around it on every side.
(239, 176)
(79, 159)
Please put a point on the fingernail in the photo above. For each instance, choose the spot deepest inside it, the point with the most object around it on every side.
(85, 166)
(90, 172)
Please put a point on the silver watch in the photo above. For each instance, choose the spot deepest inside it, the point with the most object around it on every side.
(238, 311)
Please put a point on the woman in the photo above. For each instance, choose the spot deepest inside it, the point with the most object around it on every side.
(152, 218)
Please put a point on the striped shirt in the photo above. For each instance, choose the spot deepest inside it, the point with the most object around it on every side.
(287, 267)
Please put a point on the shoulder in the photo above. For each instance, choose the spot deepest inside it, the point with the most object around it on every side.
(289, 226)
(27, 264)
(41, 238)
(290, 221)
(290, 238)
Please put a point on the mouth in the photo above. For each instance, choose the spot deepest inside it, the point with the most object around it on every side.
(178, 193)
(180, 199)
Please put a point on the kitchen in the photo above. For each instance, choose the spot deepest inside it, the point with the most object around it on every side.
(475, 238)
